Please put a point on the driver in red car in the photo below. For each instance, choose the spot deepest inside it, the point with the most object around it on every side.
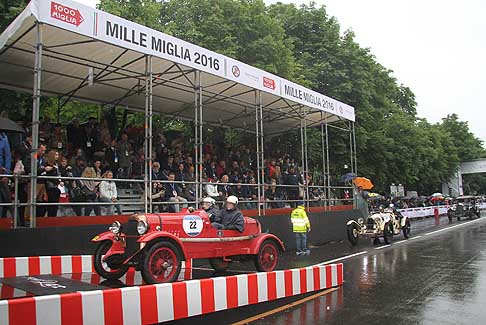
(231, 218)
(209, 205)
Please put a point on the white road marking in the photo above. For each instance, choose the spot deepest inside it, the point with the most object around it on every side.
(399, 242)
(451, 227)
(381, 247)
(343, 258)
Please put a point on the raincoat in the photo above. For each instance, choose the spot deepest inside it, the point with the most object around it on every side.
(299, 219)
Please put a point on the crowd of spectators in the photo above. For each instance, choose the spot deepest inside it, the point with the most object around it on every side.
(93, 151)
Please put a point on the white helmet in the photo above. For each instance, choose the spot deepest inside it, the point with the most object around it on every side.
(209, 200)
(391, 206)
(232, 199)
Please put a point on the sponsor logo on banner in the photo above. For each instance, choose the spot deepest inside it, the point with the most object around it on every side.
(44, 283)
(66, 14)
(269, 83)
(236, 71)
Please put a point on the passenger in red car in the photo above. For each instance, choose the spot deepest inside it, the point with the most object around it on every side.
(231, 217)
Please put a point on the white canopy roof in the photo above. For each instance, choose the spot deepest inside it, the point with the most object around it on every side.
(93, 56)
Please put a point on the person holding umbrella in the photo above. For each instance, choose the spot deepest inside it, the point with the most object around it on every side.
(362, 185)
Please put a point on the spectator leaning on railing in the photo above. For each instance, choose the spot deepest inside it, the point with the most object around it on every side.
(51, 169)
(90, 191)
(108, 192)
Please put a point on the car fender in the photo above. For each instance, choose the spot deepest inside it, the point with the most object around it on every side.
(404, 221)
(351, 222)
(158, 235)
(107, 235)
(116, 246)
(258, 241)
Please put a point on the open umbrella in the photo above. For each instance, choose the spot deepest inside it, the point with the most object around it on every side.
(8, 125)
(437, 195)
(374, 196)
(363, 182)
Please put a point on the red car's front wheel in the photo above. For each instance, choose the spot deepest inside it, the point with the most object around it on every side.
(162, 263)
(111, 268)
(267, 258)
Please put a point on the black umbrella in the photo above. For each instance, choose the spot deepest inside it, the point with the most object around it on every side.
(8, 125)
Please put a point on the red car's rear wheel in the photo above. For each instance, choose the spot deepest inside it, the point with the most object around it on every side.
(162, 263)
(112, 268)
(267, 258)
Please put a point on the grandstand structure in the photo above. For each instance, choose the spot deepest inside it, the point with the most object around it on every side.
(63, 48)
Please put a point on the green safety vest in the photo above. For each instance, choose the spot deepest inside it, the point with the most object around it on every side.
(299, 220)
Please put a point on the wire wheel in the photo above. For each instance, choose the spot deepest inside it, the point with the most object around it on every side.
(162, 263)
(267, 258)
(353, 234)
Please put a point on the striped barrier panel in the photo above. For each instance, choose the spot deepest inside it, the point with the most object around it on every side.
(151, 304)
(68, 264)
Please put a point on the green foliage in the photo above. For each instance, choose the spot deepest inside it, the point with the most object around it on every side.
(9, 9)
(306, 45)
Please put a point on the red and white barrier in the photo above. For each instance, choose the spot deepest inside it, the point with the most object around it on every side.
(40, 265)
(424, 212)
(164, 302)
(69, 264)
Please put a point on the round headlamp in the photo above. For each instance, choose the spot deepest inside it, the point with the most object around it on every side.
(360, 221)
(115, 227)
(142, 227)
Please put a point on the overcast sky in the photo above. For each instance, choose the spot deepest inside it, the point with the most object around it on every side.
(435, 47)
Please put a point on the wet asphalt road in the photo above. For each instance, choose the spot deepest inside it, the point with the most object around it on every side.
(436, 277)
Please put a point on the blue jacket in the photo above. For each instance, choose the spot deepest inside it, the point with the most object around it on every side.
(5, 155)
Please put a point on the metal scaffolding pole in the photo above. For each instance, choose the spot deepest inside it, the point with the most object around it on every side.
(198, 135)
(306, 157)
(351, 147)
(258, 142)
(148, 131)
(201, 157)
(146, 185)
(328, 179)
(262, 153)
(355, 152)
(35, 123)
(351, 153)
(302, 151)
(323, 152)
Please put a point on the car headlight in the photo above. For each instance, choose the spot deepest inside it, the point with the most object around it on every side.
(360, 221)
(115, 227)
(142, 227)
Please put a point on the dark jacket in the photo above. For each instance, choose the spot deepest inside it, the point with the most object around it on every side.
(170, 188)
(111, 157)
(232, 219)
(214, 214)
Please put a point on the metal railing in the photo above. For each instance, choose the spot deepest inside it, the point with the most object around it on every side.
(284, 199)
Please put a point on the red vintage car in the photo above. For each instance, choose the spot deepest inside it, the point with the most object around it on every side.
(156, 244)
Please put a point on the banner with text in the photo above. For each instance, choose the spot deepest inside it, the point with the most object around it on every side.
(84, 20)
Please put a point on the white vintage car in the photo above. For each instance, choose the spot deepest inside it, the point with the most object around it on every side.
(386, 224)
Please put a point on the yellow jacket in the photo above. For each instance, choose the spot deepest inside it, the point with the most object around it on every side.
(299, 220)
